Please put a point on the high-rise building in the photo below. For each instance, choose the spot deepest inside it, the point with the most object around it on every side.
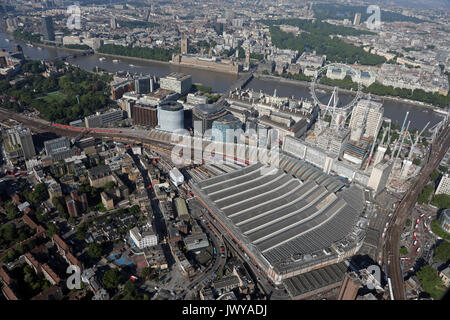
(379, 176)
(366, 119)
(357, 19)
(47, 29)
(444, 185)
(379, 156)
(171, 116)
(19, 143)
(184, 45)
(113, 23)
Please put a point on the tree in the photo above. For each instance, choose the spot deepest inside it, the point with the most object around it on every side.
(435, 175)
(51, 229)
(442, 201)
(95, 250)
(135, 209)
(11, 210)
(442, 252)
(417, 161)
(112, 278)
(430, 281)
(424, 197)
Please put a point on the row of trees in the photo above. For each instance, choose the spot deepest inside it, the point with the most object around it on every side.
(335, 49)
(137, 52)
(433, 98)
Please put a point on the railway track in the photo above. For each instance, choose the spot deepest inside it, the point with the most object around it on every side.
(391, 250)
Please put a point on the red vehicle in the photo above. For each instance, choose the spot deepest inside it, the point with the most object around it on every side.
(418, 250)
(134, 278)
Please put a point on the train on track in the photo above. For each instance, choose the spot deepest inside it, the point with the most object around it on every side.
(84, 129)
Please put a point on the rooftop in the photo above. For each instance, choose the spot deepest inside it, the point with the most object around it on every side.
(281, 219)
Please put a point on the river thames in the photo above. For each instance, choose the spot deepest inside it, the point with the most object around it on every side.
(219, 82)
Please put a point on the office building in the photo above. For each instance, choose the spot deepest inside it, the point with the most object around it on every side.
(55, 144)
(103, 119)
(195, 98)
(178, 82)
(379, 176)
(145, 115)
(444, 185)
(357, 19)
(171, 116)
(203, 116)
(196, 242)
(142, 85)
(19, 144)
(47, 29)
(144, 239)
(224, 129)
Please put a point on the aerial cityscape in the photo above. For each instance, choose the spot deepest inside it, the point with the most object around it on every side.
(224, 150)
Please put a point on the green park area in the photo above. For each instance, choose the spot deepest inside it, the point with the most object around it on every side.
(71, 95)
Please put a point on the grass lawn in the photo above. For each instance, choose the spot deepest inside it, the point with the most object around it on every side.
(55, 96)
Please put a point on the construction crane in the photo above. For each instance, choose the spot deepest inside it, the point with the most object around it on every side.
(416, 141)
(401, 144)
(401, 134)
